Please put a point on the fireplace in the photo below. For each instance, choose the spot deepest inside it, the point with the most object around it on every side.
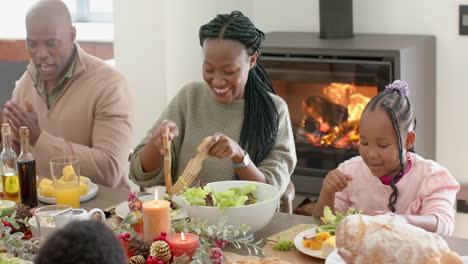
(328, 82)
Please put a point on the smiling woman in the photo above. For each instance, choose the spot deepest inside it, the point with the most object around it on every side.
(236, 105)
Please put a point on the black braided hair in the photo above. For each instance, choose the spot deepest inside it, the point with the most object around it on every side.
(260, 126)
(394, 100)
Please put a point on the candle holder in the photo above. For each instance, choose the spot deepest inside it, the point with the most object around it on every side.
(183, 243)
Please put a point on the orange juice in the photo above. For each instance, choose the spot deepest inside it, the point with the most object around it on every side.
(68, 194)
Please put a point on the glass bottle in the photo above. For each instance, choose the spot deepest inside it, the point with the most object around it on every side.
(9, 171)
(27, 171)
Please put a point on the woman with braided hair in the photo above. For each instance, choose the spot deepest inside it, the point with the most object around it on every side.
(237, 105)
(388, 177)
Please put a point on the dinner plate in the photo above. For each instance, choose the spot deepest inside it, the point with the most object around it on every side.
(334, 258)
(299, 246)
(83, 198)
(122, 209)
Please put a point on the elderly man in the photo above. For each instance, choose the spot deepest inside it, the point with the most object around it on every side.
(72, 102)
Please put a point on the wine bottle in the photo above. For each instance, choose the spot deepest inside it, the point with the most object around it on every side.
(27, 171)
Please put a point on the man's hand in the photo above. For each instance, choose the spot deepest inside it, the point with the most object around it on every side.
(18, 117)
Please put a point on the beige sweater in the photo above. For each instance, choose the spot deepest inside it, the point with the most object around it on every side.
(91, 118)
(198, 115)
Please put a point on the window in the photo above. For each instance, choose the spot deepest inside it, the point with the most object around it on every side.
(85, 11)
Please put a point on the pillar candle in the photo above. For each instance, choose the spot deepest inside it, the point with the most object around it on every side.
(156, 218)
(183, 243)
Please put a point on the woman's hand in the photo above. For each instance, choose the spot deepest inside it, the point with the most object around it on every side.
(222, 146)
(335, 181)
(164, 128)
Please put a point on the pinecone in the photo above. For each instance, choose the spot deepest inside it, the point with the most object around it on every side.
(139, 247)
(138, 259)
(23, 212)
(161, 250)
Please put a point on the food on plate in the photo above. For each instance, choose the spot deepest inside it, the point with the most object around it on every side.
(332, 221)
(233, 197)
(68, 173)
(316, 242)
(386, 239)
(328, 246)
(46, 186)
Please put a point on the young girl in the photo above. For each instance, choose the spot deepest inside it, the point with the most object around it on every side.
(387, 177)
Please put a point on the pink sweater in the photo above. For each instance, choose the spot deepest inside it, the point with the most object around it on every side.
(427, 189)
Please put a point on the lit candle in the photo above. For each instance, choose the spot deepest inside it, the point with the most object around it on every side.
(6, 207)
(156, 218)
(183, 244)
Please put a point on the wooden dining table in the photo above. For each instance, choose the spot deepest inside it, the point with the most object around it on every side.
(108, 198)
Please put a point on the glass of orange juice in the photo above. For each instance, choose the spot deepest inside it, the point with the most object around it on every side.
(65, 172)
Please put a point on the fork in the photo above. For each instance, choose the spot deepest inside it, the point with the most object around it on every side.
(193, 168)
(167, 160)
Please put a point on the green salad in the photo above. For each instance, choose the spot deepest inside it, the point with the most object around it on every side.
(175, 207)
(332, 221)
(233, 197)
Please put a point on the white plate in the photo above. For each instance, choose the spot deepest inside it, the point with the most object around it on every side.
(299, 246)
(122, 209)
(83, 198)
(334, 258)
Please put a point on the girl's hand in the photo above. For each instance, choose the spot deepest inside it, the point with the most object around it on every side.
(221, 146)
(159, 131)
(335, 181)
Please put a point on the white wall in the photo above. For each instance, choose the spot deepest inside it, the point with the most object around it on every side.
(156, 46)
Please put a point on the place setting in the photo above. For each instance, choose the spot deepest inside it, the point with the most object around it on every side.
(66, 185)
(178, 211)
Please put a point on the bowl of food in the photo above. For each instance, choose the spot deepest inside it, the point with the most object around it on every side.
(240, 202)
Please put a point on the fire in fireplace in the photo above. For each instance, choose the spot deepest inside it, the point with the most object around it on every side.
(331, 118)
(327, 84)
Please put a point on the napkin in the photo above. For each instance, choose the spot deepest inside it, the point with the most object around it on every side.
(291, 233)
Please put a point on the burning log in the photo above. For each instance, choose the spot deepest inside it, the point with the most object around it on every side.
(320, 110)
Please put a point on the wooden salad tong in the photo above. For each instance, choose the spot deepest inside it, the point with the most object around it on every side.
(191, 171)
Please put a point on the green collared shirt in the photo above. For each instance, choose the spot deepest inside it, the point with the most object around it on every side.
(41, 88)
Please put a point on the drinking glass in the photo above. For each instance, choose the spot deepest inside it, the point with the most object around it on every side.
(51, 218)
(65, 172)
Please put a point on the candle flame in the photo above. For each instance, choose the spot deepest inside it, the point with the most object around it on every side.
(182, 235)
(155, 194)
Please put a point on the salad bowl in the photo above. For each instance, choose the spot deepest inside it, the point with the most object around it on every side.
(256, 215)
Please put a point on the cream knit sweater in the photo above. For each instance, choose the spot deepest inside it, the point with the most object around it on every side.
(91, 118)
(198, 115)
